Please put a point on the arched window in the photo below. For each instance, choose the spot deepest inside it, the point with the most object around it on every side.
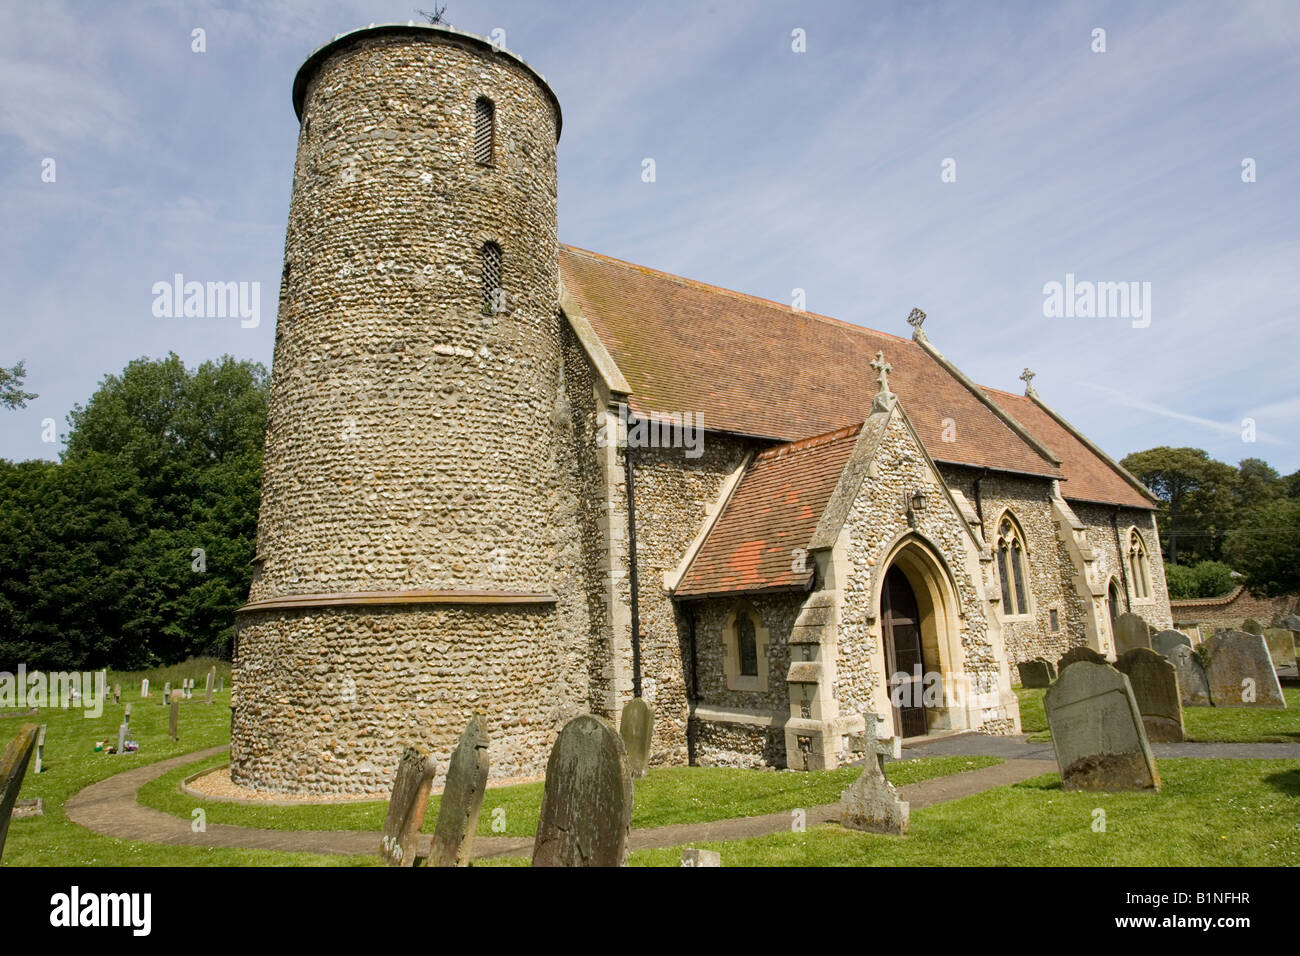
(744, 648)
(747, 645)
(485, 116)
(494, 297)
(1139, 566)
(1112, 600)
(1013, 572)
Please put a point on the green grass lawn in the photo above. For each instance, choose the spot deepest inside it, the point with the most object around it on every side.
(664, 796)
(1202, 724)
(1210, 813)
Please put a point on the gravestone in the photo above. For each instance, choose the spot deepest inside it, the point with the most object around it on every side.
(462, 798)
(188, 686)
(406, 807)
(1281, 646)
(208, 687)
(167, 693)
(126, 715)
(1252, 626)
(117, 693)
(144, 687)
(1080, 653)
(587, 803)
(1291, 622)
(1192, 685)
(40, 749)
(1130, 632)
(1097, 731)
(694, 857)
(173, 720)
(221, 684)
(871, 803)
(1154, 680)
(1035, 673)
(1165, 641)
(121, 738)
(1240, 672)
(13, 767)
(636, 728)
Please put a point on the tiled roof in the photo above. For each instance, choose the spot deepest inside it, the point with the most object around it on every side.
(1087, 476)
(756, 367)
(773, 512)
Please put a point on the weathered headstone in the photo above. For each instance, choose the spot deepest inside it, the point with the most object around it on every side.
(1035, 673)
(1154, 680)
(693, 857)
(1290, 621)
(871, 803)
(1165, 641)
(40, 749)
(173, 720)
(636, 728)
(1240, 672)
(126, 715)
(188, 686)
(406, 807)
(587, 803)
(144, 687)
(117, 693)
(13, 767)
(1097, 731)
(221, 684)
(1252, 626)
(1192, 685)
(208, 689)
(462, 798)
(121, 738)
(1281, 646)
(1130, 632)
(167, 693)
(1080, 653)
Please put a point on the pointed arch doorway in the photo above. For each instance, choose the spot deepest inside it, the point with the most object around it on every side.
(900, 616)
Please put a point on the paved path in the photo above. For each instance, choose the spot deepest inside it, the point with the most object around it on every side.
(110, 808)
(1020, 748)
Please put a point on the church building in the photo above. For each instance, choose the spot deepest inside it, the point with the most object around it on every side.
(513, 477)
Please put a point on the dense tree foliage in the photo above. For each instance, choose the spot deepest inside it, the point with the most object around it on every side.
(135, 549)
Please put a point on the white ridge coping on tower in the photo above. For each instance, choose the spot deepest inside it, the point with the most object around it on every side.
(321, 53)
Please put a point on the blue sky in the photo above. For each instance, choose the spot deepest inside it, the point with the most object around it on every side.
(775, 170)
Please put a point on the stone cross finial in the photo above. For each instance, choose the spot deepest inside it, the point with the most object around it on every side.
(884, 397)
(916, 318)
(875, 746)
(1028, 378)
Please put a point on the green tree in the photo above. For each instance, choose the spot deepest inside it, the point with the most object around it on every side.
(1205, 579)
(1265, 546)
(1195, 492)
(1257, 483)
(11, 387)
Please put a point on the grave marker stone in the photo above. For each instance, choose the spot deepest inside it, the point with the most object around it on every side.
(871, 803)
(1154, 680)
(694, 857)
(1130, 632)
(462, 798)
(1240, 672)
(208, 689)
(13, 767)
(1035, 673)
(1192, 685)
(406, 807)
(1252, 626)
(636, 728)
(1080, 653)
(167, 693)
(1165, 641)
(221, 684)
(1281, 646)
(1097, 731)
(117, 693)
(173, 721)
(121, 738)
(144, 687)
(587, 802)
(40, 749)
(126, 715)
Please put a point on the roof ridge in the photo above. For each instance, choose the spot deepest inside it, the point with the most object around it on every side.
(813, 441)
(772, 303)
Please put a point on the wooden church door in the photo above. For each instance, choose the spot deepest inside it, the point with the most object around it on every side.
(901, 624)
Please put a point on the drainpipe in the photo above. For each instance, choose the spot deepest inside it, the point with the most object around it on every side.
(631, 569)
(979, 500)
(693, 692)
(1119, 550)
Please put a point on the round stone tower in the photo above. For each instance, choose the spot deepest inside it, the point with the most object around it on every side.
(416, 534)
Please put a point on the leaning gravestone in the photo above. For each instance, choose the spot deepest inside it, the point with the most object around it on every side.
(1035, 673)
(1097, 731)
(1080, 653)
(173, 719)
(1130, 632)
(636, 728)
(462, 798)
(587, 803)
(1192, 685)
(1252, 626)
(1240, 672)
(871, 803)
(1155, 688)
(1281, 646)
(13, 767)
(1165, 641)
(406, 806)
